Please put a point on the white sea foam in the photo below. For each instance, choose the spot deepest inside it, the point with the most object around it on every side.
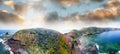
(6, 46)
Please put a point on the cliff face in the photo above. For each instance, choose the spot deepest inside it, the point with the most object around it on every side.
(16, 46)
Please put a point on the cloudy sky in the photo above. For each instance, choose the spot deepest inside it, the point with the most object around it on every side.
(61, 15)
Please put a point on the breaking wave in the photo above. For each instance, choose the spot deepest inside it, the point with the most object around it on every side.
(4, 48)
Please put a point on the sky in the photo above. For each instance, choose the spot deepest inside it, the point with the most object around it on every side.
(60, 15)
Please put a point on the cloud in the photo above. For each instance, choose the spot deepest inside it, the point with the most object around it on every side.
(20, 7)
(9, 3)
(97, 16)
(100, 14)
(52, 17)
(37, 0)
(9, 18)
(23, 6)
(67, 2)
(38, 6)
(114, 6)
(112, 3)
(97, 0)
(118, 11)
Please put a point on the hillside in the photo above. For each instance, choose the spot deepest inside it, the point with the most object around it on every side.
(42, 41)
(88, 31)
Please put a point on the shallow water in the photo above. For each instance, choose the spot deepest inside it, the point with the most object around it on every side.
(106, 41)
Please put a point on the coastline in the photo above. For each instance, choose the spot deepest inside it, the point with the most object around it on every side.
(12, 45)
(6, 47)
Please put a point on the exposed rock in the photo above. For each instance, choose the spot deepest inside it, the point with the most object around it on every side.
(16, 46)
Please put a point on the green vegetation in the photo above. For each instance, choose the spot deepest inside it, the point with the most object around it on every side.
(42, 41)
(34, 49)
(63, 47)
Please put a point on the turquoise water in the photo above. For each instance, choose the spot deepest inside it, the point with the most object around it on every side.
(107, 41)
(3, 50)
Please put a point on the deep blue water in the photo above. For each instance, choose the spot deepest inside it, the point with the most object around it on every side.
(111, 36)
(107, 41)
(2, 37)
(3, 49)
(4, 31)
(106, 37)
(9, 31)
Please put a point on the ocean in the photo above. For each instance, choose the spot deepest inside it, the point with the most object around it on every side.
(4, 48)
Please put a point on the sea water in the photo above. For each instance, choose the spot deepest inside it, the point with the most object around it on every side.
(108, 42)
(4, 48)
